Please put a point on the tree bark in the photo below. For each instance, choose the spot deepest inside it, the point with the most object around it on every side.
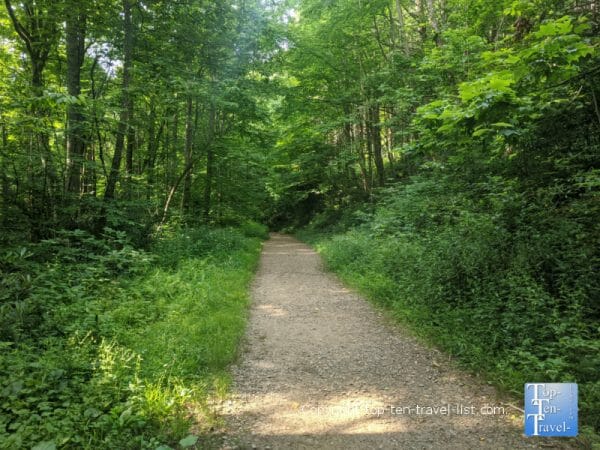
(39, 39)
(376, 140)
(189, 166)
(402, 28)
(154, 140)
(209, 163)
(172, 159)
(189, 139)
(363, 159)
(208, 183)
(437, 38)
(4, 212)
(126, 102)
(75, 31)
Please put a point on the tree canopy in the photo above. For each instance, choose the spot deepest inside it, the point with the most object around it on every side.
(452, 146)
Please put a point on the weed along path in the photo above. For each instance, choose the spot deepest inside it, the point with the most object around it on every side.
(321, 368)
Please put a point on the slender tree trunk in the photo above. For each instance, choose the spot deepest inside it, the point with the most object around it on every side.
(75, 40)
(362, 158)
(173, 190)
(189, 166)
(422, 16)
(4, 212)
(368, 140)
(209, 163)
(437, 38)
(376, 140)
(39, 36)
(189, 140)
(173, 147)
(90, 173)
(130, 143)
(126, 102)
(402, 28)
(154, 139)
(390, 139)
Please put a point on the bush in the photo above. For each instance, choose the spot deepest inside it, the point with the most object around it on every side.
(107, 346)
(510, 296)
(254, 229)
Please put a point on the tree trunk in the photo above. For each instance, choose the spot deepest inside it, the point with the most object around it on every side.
(189, 139)
(172, 149)
(437, 38)
(39, 39)
(376, 140)
(362, 158)
(189, 166)
(422, 18)
(402, 28)
(154, 139)
(130, 142)
(126, 102)
(4, 212)
(209, 163)
(75, 31)
(129, 149)
(368, 140)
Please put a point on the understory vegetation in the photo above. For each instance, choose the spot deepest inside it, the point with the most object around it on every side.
(109, 346)
(133, 141)
(454, 175)
(444, 156)
(512, 300)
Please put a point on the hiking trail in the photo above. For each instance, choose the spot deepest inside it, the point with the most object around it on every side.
(322, 368)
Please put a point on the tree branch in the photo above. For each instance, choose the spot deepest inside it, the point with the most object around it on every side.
(21, 31)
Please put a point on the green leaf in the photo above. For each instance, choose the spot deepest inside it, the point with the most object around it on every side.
(46, 445)
(92, 412)
(125, 415)
(188, 441)
(481, 132)
(501, 81)
(469, 91)
(558, 27)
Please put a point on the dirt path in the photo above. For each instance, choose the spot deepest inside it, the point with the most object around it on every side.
(323, 369)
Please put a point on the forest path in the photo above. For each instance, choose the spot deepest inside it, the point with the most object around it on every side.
(322, 369)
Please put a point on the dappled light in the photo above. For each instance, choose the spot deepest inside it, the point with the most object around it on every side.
(413, 186)
(331, 373)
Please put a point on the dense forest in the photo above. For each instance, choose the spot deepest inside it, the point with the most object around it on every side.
(443, 155)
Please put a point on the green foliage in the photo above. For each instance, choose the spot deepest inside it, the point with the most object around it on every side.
(485, 239)
(513, 299)
(254, 229)
(458, 141)
(194, 85)
(106, 346)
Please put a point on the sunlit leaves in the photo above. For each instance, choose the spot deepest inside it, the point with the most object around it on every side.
(558, 27)
(493, 86)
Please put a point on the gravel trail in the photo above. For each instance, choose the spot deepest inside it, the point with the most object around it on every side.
(321, 368)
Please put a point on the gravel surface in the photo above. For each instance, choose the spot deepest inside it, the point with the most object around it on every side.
(321, 368)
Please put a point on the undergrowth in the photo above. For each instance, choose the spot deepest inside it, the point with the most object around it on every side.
(512, 300)
(106, 346)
